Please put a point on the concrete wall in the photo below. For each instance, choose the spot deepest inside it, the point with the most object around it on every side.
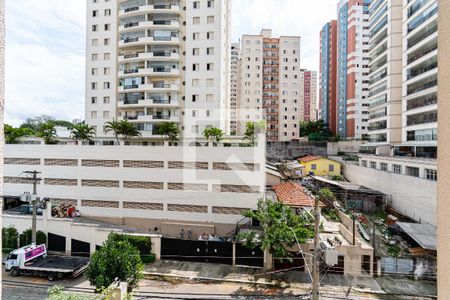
(98, 181)
(277, 151)
(411, 196)
(343, 146)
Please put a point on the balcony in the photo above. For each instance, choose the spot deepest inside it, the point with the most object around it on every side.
(422, 118)
(148, 87)
(422, 85)
(156, 55)
(138, 41)
(155, 71)
(422, 101)
(166, 24)
(422, 68)
(150, 9)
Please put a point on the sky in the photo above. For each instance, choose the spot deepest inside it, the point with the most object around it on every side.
(45, 48)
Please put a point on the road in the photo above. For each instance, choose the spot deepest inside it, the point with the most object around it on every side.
(32, 288)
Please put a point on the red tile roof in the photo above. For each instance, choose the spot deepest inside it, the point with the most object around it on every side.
(292, 194)
(309, 158)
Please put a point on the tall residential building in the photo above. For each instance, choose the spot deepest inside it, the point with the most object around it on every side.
(235, 84)
(352, 71)
(328, 75)
(420, 102)
(154, 61)
(385, 72)
(270, 84)
(308, 95)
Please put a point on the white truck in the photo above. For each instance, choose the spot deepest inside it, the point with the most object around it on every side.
(33, 260)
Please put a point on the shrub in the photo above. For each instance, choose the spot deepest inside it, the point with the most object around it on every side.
(25, 238)
(9, 239)
(142, 243)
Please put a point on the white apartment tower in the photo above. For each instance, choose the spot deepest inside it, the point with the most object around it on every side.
(235, 69)
(270, 84)
(385, 72)
(420, 102)
(154, 61)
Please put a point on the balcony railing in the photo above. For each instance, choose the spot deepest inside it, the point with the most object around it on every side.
(131, 9)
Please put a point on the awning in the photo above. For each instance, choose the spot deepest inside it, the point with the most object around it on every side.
(423, 234)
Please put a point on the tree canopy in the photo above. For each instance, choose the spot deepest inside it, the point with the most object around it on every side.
(252, 129)
(115, 260)
(82, 131)
(316, 130)
(12, 134)
(281, 228)
(215, 133)
(168, 130)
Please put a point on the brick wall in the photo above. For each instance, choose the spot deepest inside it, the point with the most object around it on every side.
(150, 164)
(60, 181)
(61, 162)
(187, 187)
(188, 208)
(22, 161)
(143, 205)
(100, 163)
(143, 185)
(96, 203)
(100, 183)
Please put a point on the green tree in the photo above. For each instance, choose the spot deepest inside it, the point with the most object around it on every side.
(278, 223)
(82, 132)
(25, 237)
(169, 131)
(250, 134)
(113, 127)
(316, 130)
(12, 134)
(326, 195)
(9, 239)
(35, 123)
(47, 131)
(116, 259)
(128, 130)
(215, 133)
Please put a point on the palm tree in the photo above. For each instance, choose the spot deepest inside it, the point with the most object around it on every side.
(250, 133)
(214, 133)
(169, 130)
(47, 131)
(128, 130)
(114, 127)
(82, 131)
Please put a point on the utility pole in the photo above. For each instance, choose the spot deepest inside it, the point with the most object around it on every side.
(316, 258)
(34, 202)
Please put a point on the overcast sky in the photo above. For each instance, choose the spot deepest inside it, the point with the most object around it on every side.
(45, 48)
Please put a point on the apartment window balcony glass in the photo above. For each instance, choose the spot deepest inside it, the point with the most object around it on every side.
(422, 34)
(422, 135)
(131, 98)
(378, 138)
(132, 82)
(375, 42)
(422, 51)
(422, 118)
(379, 26)
(422, 101)
(130, 37)
(374, 6)
(378, 15)
(378, 76)
(424, 16)
(378, 114)
(378, 125)
(421, 68)
(378, 64)
(377, 101)
(412, 171)
(416, 6)
(378, 89)
(431, 174)
(423, 84)
(380, 50)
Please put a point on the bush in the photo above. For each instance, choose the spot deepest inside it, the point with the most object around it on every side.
(25, 238)
(9, 239)
(142, 243)
(118, 260)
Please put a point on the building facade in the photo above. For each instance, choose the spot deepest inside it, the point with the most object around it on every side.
(308, 94)
(235, 85)
(205, 188)
(328, 75)
(420, 102)
(270, 84)
(385, 72)
(152, 61)
(352, 71)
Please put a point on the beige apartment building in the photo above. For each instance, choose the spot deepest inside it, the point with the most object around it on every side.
(308, 95)
(271, 84)
(155, 61)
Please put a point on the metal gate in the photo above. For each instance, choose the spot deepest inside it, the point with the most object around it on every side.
(80, 248)
(249, 257)
(56, 243)
(197, 251)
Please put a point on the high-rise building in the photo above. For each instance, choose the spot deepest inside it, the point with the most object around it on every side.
(385, 72)
(235, 84)
(420, 103)
(154, 61)
(270, 84)
(308, 95)
(328, 75)
(352, 71)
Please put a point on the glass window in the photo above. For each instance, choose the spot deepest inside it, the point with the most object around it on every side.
(431, 174)
(313, 167)
(331, 168)
(397, 169)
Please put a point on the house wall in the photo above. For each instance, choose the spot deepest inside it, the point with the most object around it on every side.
(411, 196)
(322, 167)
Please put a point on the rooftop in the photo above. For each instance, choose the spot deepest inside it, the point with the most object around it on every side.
(293, 194)
(309, 158)
(348, 186)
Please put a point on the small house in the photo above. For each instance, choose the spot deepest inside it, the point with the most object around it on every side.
(320, 166)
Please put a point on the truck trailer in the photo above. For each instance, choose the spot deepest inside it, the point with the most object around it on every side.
(33, 260)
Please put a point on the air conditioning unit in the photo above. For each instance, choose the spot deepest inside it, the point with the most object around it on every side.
(330, 254)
